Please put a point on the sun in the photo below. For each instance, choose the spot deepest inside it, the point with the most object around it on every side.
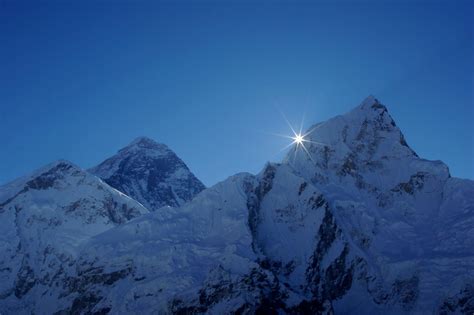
(299, 139)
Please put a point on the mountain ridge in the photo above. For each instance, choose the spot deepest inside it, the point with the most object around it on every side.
(354, 225)
(358, 223)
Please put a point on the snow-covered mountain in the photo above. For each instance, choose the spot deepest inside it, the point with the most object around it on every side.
(358, 224)
(44, 217)
(150, 173)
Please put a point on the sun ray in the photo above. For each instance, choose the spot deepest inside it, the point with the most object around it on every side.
(298, 139)
(287, 146)
(310, 131)
(289, 125)
(294, 155)
(314, 128)
(315, 142)
(301, 125)
(307, 152)
(283, 136)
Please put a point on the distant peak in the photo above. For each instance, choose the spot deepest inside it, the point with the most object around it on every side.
(60, 164)
(59, 167)
(145, 143)
(370, 104)
(46, 176)
(370, 99)
(142, 139)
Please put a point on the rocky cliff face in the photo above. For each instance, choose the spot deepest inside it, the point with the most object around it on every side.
(150, 173)
(357, 224)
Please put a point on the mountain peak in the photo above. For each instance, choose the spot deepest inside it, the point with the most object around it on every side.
(368, 123)
(145, 143)
(363, 144)
(42, 178)
(59, 164)
(151, 173)
(369, 101)
(373, 108)
(59, 167)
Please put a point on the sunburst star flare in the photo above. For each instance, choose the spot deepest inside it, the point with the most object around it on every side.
(299, 139)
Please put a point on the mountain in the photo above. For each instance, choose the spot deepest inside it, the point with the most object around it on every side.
(356, 222)
(44, 219)
(150, 173)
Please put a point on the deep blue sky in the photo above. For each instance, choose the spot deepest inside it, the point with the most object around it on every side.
(80, 80)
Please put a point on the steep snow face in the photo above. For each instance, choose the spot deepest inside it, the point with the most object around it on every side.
(150, 173)
(44, 218)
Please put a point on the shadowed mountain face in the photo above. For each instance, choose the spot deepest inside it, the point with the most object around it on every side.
(150, 173)
(357, 223)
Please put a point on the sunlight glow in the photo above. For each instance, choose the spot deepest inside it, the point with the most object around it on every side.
(299, 139)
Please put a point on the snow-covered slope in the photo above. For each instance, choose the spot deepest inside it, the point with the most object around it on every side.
(358, 225)
(150, 173)
(44, 217)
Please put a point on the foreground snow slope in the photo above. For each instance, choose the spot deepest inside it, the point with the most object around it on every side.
(44, 217)
(150, 173)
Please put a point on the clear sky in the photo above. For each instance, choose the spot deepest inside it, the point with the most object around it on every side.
(81, 79)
